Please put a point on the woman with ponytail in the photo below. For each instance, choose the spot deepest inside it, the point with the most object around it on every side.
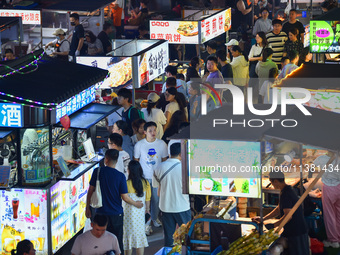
(176, 103)
(134, 218)
(151, 113)
(24, 247)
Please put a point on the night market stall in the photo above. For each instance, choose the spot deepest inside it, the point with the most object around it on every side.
(233, 137)
(42, 198)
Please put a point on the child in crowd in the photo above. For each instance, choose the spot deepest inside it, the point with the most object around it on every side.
(150, 152)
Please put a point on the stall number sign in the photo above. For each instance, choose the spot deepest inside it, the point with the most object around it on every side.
(324, 36)
(75, 103)
(28, 17)
(215, 25)
(175, 32)
(10, 115)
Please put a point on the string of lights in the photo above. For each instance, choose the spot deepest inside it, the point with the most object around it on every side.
(29, 102)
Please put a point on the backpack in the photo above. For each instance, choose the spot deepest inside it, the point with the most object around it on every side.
(140, 113)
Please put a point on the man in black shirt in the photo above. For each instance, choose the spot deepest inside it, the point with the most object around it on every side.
(295, 231)
(226, 70)
(77, 43)
(293, 23)
(103, 36)
(130, 113)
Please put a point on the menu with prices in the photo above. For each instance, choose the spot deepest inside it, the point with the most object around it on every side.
(152, 63)
(68, 203)
(23, 216)
(176, 32)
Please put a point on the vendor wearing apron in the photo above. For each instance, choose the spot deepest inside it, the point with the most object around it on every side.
(255, 55)
(61, 44)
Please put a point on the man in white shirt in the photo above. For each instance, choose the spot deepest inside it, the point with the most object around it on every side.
(174, 205)
(96, 241)
(151, 152)
(181, 86)
(115, 141)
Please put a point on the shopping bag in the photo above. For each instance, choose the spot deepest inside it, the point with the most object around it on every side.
(96, 198)
(87, 226)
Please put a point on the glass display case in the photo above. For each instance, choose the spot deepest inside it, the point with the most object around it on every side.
(35, 155)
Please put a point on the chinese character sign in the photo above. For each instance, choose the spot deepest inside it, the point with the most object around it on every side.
(175, 32)
(324, 36)
(152, 63)
(10, 115)
(28, 17)
(23, 215)
(75, 103)
(215, 25)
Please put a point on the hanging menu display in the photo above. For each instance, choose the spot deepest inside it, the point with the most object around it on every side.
(324, 36)
(152, 63)
(23, 215)
(224, 168)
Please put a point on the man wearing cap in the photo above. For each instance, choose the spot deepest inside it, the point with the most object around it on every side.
(61, 45)
(229, 45)
(151, 113)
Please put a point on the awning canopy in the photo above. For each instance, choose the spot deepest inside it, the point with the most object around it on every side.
(314, 76)
(77, 5)
(203, 128)
(50, 81)
(321, 129)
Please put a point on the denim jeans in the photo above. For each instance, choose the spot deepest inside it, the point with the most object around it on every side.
(169, 224)
(154, 203)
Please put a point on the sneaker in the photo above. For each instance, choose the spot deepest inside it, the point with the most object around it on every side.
(335, 245)
(157, 223)
(148, 230)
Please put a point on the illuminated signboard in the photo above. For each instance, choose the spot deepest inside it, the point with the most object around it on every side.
(224, 168)
(176, 32)
(152, 63)
(306, 40)
(23, 215)
(28, 17)
(324, 36)
(68, 204)
(120, 69)
(75, 103)
(215, 25)
(10, 115)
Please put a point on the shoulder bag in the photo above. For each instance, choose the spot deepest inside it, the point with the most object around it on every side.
(96, 198)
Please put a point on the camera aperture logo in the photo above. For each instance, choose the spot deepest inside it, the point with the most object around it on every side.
(239, 103)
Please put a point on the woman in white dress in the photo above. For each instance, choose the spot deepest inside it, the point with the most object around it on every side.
(151, 113)
(134, 218)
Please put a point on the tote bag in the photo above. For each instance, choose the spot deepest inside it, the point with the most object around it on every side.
(96, 198)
